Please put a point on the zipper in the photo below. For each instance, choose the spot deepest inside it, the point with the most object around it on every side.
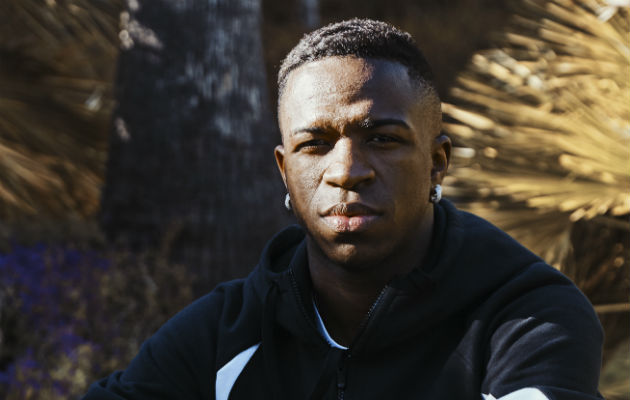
(341, 378)
(341, 369)
(369, 314)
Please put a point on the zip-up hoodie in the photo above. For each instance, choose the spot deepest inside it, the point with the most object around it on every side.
(482, 318)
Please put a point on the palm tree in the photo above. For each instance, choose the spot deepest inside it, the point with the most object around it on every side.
(542, 132)
(57, 63)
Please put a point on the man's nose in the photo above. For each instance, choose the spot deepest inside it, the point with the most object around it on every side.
(348, 167)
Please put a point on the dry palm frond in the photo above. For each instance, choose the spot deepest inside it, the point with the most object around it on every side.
(541, 126)
(615, 375)
(56, 67)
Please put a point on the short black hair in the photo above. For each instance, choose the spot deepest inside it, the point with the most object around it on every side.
(361, 38)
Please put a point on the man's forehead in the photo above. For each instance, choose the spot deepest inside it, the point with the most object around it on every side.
(344, 73)
(349, 81)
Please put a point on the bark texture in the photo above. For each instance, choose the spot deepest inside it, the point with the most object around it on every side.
(191, 165)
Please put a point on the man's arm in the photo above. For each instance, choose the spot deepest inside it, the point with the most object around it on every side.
(546, 345)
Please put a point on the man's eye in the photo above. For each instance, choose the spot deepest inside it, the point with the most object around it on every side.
(383, 139)
(313, 144)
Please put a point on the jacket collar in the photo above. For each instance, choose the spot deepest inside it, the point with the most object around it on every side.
(449, 282)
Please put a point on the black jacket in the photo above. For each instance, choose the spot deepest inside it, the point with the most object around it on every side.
(482, 316)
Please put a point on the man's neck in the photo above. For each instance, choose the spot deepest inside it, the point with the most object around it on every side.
(344, 295)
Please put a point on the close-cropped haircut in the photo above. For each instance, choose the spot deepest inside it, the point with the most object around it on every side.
(363, 38)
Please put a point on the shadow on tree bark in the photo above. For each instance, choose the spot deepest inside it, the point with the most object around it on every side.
(190, 164)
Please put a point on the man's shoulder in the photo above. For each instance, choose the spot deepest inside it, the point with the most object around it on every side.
(214, 327)
(484, 235)
(222, 305)
(513, 280)
(471, 249)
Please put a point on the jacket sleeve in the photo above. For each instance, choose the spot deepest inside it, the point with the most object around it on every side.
(175, 363)
(546, 345)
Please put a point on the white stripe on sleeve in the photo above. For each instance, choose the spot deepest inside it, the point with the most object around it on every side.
(228, 373)
(521, 394)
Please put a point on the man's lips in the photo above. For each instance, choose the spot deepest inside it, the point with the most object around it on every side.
(350, 217)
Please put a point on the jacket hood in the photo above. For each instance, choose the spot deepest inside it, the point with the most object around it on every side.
(469, 259)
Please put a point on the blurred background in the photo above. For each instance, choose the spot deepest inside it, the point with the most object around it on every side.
(136, 167)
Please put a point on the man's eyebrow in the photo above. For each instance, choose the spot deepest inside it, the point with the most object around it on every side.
(369, 123)
(307, 129)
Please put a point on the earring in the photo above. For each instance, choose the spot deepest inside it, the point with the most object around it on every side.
(436, 194)
(287, 202)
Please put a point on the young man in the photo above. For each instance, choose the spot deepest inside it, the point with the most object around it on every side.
(384, 291)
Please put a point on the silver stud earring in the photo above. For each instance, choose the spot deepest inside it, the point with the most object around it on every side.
(436, 194)
(287, 202)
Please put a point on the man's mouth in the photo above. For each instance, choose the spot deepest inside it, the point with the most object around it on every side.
(350, 217)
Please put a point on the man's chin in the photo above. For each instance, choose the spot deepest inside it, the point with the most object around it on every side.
(353, 248)
(352, 256)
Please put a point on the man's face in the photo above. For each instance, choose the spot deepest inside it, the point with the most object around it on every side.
(359, 155)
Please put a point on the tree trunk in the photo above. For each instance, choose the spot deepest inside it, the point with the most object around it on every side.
(191, 165)
(309, 13)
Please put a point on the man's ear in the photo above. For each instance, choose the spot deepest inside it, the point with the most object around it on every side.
(279, 154)
(440, 157)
